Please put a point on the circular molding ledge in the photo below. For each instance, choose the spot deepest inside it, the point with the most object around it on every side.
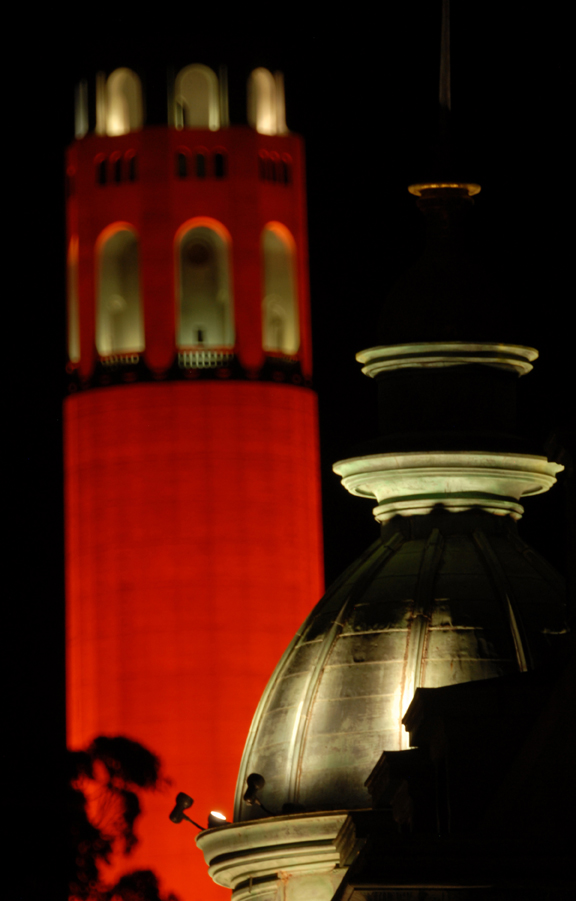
(434, 354)
(471, 188)
(411, 484)
(251, 858)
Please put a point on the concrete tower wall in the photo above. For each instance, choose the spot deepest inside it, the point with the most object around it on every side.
(193, 522)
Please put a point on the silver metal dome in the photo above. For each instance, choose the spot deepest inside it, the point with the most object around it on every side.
(438, 599)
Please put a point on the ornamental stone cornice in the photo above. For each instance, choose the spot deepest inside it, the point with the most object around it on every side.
(292, 858)
(436, 354)
(413, 483)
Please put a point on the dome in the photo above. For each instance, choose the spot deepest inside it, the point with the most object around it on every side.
(438, 599)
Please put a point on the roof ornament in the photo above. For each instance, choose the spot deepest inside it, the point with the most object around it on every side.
(444, 86)
(446, 157)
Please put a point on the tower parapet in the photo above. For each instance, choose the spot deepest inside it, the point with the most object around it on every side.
(187, 242)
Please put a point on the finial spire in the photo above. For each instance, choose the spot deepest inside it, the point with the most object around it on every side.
(444, 88)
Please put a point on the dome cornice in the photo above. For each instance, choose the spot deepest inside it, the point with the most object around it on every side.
(412, 483)
(437, 354)
(253, 858)
(464, 189)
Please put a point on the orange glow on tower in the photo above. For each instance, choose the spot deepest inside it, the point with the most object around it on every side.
(191, 447)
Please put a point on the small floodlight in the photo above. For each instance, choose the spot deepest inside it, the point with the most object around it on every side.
(255, 782)
(183, 802)
(216, 818)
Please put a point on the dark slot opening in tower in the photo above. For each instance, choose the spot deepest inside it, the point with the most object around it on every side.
(181, 165)
(219, 165)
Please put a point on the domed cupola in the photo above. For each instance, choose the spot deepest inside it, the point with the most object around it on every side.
(449, 593)
(438, 599)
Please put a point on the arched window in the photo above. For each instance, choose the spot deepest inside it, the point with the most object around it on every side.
(123, 102)
(101, 164)
(81, 109)
(220, 164)
(201, 163)
(286, 169)
(266, 109)
(116, 166)
(280, 327)
(73, 312)
(119, 320)
(130, 157)
(205, 309)
(275, 173)
(182, 162)
(196, 98)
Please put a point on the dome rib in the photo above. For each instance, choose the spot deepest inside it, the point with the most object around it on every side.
(438, 600)
(504, 594)
(423, 605)
(538, 563)
(263, 704)
(357, 574)
(384, 552)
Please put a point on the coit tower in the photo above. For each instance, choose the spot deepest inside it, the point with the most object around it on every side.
(193, 532)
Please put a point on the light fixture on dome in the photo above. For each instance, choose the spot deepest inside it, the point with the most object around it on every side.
(183, 802)
(215, 818)
(255, 782)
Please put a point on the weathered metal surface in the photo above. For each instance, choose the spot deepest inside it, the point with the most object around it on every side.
(447, 599)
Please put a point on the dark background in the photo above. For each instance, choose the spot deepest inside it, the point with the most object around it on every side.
(363, 93)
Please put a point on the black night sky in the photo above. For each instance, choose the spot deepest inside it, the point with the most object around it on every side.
(363, 94)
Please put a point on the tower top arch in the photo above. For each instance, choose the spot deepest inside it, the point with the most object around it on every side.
(266, 103)
(113, 103)
(119, 104)
(198, 98)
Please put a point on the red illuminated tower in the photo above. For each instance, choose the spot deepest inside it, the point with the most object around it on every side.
(191, 447)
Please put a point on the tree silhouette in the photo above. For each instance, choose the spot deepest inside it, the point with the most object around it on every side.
(103, 806)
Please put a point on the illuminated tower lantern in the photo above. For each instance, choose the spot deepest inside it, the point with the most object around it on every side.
(192, 476)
